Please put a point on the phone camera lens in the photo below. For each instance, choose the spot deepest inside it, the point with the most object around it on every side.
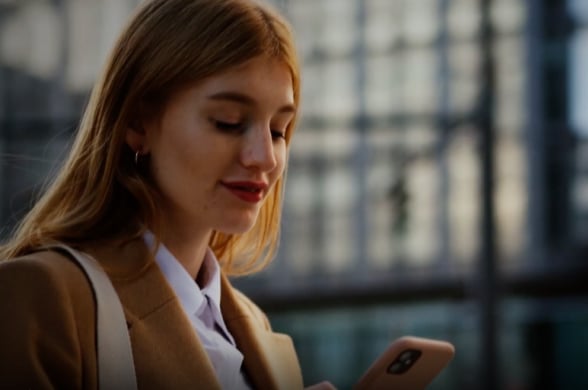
(396, 368)
(406, 357)
(404, 361)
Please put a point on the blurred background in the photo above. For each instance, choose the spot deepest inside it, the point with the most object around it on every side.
(438, 180)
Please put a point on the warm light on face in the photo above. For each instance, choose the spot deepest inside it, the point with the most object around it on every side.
(218, 147)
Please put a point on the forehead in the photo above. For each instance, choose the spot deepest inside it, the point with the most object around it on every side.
(265, 80)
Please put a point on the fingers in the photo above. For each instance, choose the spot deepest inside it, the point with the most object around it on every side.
(325, 385)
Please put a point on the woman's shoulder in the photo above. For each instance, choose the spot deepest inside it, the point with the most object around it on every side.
(39, 261)
(48, 322)
(41, 270)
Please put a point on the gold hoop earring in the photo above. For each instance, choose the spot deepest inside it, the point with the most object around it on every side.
(137, 155)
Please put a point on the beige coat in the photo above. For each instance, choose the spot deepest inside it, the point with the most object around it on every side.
(47, 329)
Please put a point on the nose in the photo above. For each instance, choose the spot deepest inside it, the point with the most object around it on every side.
(258, 149)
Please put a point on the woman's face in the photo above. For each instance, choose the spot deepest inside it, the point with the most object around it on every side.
(218, 147)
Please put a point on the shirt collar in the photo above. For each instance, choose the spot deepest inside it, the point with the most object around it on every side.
(191, 296)
(212, 279)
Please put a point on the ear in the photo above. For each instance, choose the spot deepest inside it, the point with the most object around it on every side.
(136, 138)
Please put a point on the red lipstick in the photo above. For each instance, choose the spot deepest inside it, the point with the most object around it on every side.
(249, 191)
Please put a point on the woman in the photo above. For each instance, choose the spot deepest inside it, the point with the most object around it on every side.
(174, 181)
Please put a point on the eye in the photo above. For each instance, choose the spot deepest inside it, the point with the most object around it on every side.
(277, 134)
(229, 127)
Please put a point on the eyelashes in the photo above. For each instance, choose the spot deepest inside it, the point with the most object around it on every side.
(229, 127)
(276, 134)
(240, 127)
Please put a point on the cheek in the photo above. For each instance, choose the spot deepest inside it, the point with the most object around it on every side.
(171, 160)
(177, 161)
(182, 143)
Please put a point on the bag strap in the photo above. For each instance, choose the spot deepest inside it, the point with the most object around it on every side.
(116, 369)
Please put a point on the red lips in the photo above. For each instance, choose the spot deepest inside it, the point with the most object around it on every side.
(248, 191)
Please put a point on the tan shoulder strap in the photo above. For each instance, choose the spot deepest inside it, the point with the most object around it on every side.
(116, 369)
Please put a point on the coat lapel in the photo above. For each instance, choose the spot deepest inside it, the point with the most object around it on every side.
(269, 358)
(166, 350)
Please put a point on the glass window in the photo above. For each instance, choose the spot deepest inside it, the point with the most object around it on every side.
(382, 27)
(464, 189)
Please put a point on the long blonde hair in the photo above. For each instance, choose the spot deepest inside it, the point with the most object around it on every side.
(100, 193)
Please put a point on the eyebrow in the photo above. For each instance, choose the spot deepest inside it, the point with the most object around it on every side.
(241, 98)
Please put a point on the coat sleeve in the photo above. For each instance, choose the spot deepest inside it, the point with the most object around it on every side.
(46, 334)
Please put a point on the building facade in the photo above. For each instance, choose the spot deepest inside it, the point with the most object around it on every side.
(437, 182)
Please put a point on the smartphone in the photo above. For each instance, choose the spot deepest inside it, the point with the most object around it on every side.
(409, 363)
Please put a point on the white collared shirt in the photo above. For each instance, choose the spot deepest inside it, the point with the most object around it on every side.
(202, 306)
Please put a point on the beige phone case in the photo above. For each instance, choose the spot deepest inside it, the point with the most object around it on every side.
(434, 356)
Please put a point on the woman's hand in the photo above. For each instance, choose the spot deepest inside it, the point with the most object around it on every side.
(326, 385)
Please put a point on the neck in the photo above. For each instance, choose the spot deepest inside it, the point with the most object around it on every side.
(188, 246)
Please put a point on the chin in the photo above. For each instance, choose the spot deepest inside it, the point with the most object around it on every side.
(237, 225)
